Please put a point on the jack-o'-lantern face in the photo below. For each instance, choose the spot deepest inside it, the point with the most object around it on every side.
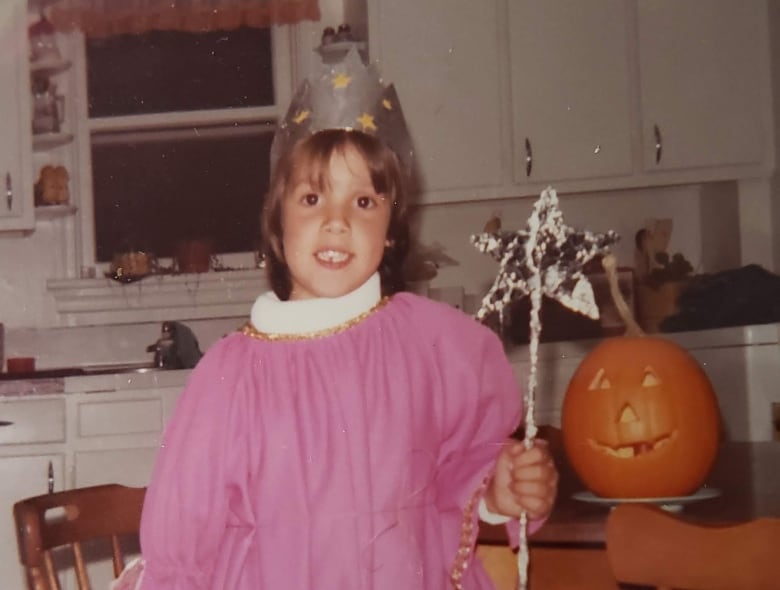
(640, 419)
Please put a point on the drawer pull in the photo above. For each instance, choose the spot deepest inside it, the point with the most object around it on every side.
(9, 192)
(6, 423)
(659, 144)
(529, 158)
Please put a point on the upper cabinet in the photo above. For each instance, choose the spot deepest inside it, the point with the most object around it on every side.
(570, 89)
(701, 64)
(444, 56)
(16, 202)
(505, 97)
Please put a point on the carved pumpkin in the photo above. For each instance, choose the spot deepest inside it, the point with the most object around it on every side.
(640, 419)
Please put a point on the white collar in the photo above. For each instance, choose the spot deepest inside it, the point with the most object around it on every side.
(272, 316)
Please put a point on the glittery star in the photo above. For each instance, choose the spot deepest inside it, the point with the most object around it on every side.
(367, 122)
(341, 80)
(301, 116)
(387, 104)
(547, 256)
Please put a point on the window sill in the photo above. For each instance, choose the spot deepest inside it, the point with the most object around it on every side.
(103, 301)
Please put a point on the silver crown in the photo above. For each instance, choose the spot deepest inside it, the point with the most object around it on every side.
(345, 95)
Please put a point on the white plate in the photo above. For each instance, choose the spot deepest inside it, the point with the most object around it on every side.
(671, 503)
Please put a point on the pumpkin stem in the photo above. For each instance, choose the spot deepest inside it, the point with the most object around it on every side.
(609, 262)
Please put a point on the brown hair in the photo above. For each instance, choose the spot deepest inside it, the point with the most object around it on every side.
(314, 153)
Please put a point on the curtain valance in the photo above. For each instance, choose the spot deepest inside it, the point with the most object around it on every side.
(100, 18)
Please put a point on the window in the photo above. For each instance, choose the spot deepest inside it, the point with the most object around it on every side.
(180, 131)
(151, 193)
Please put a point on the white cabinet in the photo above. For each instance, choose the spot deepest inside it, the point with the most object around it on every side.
(505, 97)
(570, 89)
(21, 476)
(16, 204)
(700, 63)
(106, 431)
(443, 56)
(116, 435)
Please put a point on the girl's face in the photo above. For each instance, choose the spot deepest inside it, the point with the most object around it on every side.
(334, 238)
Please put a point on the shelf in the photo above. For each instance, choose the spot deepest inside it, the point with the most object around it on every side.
(47, 141)
(49, 67)
(54, 211)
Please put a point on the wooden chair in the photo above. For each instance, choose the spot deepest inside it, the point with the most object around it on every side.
(650, 547)
(72, 518)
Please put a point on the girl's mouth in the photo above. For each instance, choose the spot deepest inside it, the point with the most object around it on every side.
(332, 256)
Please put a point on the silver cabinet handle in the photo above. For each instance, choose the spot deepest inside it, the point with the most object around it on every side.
(659, 144)
(9, 193)
(50, 477)
(529, 158)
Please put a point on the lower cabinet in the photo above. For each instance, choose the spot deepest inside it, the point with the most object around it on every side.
(99, 437)
(21, 476)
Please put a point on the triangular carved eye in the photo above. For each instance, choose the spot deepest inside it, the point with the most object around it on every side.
(650, 379)
(600, 381)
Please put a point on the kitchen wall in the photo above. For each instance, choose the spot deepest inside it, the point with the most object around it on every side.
(27, 261)
(706, 218)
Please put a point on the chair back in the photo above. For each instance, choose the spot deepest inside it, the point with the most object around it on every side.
(71, 518)
(651, 547)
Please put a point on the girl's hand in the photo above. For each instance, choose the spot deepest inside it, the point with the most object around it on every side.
(524, 481)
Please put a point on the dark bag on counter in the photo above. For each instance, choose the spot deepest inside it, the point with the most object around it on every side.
(737, 297)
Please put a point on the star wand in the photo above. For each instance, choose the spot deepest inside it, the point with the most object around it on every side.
(545, 258)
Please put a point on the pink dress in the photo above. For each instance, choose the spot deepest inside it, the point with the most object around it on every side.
(349, 461)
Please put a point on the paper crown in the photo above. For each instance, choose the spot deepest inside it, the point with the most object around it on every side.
(345, 95)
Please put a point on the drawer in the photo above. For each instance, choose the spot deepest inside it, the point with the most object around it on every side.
(32, 421)
(117, 417)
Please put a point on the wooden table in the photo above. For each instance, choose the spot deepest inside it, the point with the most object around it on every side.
(747, 474)
(569, 550)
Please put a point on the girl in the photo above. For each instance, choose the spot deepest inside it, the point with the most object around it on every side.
(351, 435)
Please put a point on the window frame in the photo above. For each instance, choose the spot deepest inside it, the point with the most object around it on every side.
(215, 123)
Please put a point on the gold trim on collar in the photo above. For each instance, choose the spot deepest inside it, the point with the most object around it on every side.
(248, 328)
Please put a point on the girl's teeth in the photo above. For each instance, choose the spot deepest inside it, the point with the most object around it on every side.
(332, 256)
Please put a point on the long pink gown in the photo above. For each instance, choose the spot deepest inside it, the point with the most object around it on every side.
(352, 461)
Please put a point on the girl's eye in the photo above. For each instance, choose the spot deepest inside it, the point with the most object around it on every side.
(311, 198)
(365, 202)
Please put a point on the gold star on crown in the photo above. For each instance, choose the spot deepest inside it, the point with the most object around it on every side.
(341, 80)
(345, 95)
(366, 122)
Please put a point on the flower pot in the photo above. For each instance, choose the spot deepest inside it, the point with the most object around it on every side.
(193, 255)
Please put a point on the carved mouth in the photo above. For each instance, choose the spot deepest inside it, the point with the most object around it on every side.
(633, 449)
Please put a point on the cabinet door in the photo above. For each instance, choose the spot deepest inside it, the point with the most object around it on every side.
(700, 65)
(443, 56)
(21, 477)
(570, 86)
(16, 211)
(117, 436)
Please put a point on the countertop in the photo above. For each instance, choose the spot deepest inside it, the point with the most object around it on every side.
(61, 381)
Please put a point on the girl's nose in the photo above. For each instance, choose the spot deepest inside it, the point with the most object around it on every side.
(337, 220)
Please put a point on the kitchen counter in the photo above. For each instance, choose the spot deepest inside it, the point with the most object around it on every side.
(741, 362)
(63, 381)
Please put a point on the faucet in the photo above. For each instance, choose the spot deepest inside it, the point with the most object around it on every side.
(164, 350)
(176, 348)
